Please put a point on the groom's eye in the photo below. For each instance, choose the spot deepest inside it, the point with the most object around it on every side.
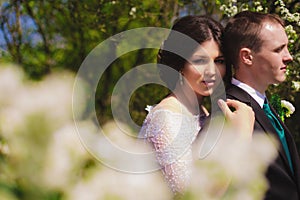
(279, 49)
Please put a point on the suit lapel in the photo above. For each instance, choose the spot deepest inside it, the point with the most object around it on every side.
(234, 92)
(260, 116)
(292, 148)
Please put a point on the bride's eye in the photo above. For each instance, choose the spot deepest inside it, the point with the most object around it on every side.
(200, 61)
(220, 61)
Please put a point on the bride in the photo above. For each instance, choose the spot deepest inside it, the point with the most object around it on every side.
(172, 125)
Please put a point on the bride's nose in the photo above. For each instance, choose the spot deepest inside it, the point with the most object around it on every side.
(210, 69)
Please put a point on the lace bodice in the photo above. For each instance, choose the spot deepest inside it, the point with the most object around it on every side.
(171, 135)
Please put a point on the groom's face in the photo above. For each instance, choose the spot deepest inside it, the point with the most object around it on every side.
(270, 63)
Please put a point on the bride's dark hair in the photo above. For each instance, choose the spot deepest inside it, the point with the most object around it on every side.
(198, 28)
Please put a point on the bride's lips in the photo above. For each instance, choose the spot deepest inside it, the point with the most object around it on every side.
(209, 83)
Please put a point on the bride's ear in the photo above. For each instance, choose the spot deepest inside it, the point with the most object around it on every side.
(246, 56)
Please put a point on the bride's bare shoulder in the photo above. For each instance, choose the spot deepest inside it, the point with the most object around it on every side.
(169, 103)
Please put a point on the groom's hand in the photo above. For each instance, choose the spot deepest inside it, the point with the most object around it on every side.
(241, 119)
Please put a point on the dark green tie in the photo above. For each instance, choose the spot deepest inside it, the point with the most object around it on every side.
(280, 131)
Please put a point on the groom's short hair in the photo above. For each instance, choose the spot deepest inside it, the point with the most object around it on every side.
(243, 30)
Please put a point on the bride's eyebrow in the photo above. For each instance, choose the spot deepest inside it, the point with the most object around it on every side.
(220, 57)
(199, 56)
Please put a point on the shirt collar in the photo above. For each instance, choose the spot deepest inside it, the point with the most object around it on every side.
(259, 98)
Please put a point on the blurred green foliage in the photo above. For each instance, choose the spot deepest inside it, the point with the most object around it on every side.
(46, 36)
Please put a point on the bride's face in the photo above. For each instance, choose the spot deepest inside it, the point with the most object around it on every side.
(205, 68)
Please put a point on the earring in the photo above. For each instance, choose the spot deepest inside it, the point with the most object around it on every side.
(180, 78)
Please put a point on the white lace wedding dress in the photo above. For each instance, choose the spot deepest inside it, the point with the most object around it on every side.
(171, 133)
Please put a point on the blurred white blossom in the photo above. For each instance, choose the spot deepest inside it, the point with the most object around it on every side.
(289, 108)
(292, 34)
(227, 173)
(291, 17)
(37, 133)
(132, 12)
(108, 182)
(232, 7)
(296, 85)
(64, 154)
(258, 6)
(11, 82)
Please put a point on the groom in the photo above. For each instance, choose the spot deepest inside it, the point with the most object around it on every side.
(255, 44)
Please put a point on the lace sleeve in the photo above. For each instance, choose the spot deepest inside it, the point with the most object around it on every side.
(171, 135)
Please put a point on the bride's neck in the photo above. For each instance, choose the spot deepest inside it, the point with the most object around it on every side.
(191, 100)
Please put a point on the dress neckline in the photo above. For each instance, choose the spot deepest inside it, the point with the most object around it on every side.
(200, 118)
(172, 104)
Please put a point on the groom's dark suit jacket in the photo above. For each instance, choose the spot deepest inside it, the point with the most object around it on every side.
(283, 184)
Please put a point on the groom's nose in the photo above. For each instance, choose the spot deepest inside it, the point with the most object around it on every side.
(287, 57)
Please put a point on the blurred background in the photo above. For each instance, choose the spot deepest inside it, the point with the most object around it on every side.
(42, 46)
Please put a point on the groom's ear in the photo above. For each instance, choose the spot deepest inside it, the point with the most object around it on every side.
(246, 56)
